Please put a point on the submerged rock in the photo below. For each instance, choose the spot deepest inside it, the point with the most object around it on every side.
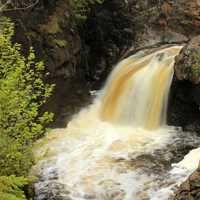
(51, 191)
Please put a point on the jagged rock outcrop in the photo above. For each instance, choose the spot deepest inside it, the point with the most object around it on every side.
(188, 62)
(185, 91)
(190, 189)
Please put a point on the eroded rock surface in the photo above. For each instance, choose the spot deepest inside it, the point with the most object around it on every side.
(190, 189)
(187, 65)
(185, 90)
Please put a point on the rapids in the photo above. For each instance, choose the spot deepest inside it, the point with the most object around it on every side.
(119, 148)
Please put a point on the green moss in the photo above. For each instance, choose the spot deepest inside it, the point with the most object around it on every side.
(31, 35)
(60, 43)
(52, 27)
(196, 64)
(82, 7)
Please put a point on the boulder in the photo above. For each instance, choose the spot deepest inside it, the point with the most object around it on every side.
(187, 65)
(190, 189)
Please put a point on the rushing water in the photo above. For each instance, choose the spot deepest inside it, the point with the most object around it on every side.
(120, 147)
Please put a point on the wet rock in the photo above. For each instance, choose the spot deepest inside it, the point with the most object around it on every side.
(110, 32)
(185, 91)
(183, 109)
(160, 160)
(187, 65)
(154, 24)
(51, 191)
(165, 21)
(182, 16)
(190, 189)
(69, 97)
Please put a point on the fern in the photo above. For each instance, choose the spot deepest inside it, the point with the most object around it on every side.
(11, 187)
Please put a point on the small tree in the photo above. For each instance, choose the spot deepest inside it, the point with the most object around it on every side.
(22, 93)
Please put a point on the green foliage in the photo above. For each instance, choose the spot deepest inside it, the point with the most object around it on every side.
(14, 158)
(82, 7)
(196, 64)
(22, 93)
(11, 187)
(60, 43)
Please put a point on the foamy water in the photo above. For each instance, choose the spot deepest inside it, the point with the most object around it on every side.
(118, 148)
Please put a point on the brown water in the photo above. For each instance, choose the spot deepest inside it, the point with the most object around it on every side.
(108, 150)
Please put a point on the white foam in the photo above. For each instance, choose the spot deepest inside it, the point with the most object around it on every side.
(99, 159)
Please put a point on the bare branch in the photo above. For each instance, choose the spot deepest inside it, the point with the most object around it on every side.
(4, 5)
(4, 9)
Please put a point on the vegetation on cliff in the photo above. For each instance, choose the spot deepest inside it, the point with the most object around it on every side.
(22, 93)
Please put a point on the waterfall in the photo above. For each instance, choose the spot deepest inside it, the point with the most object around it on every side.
(120, 147)
(137, 90)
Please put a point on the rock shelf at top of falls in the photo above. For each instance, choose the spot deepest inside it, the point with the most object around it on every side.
(119, 148)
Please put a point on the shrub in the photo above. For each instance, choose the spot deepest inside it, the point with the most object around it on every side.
(11, 188)
(22, 93)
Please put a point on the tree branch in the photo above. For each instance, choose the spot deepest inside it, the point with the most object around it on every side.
(4, 5)
(3, 9)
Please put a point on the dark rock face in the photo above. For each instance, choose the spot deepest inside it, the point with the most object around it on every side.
(107, 33)
(182, 16)
(185, 91)
(153, 23)
(49, 27)
(166, 20)
(190, 189)
(183, 110)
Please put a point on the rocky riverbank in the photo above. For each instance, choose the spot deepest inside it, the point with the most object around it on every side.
(190, 189)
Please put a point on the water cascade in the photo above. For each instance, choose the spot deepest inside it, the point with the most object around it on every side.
(137, 92)
(113, 149)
